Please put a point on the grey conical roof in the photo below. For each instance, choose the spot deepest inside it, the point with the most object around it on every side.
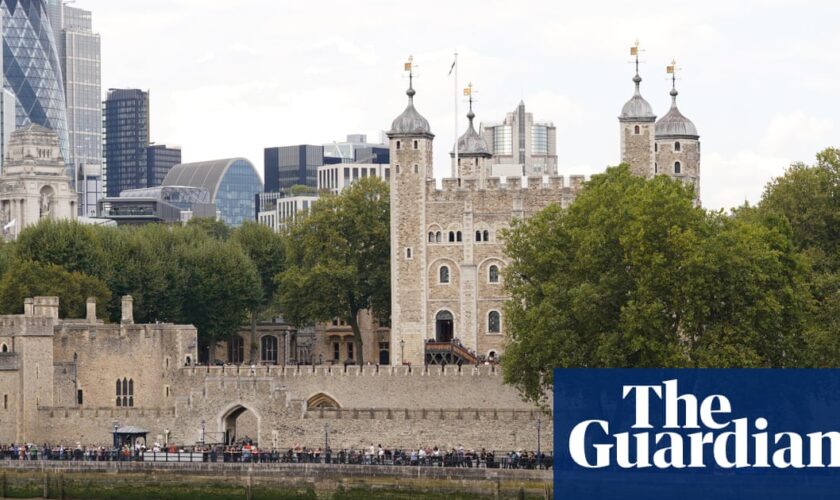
(637, 108)
(674, 124)
(410, 122)
(472, 144)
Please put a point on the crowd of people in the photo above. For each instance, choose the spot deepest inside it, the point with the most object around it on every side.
(247, 451)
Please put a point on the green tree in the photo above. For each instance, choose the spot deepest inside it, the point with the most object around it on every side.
(221, 286)
(634, 275)
(337, 261)
(212, 227)
(808, 198)
(266, 250)
(28, 279)
(69, 244)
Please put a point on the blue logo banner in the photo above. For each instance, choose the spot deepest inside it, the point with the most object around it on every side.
(696, 434)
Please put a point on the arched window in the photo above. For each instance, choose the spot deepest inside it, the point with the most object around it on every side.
(494, 274)
(636, 130)
(459, 237)
(408, 253)
(398, 169)
(431, 237)
(444, 274)
(655, 168)
(236, 350)
(478, 236)
(119, 392)
(677, 168)
(485, 236)
(268, 345)
(5, 348)
(398, 146)
(416, 169)
(656, 148)
(677, 146)
(416, 144)
(494, 323)
(438, 237)
(451, 237)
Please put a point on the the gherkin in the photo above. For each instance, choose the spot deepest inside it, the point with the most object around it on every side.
(31, 67)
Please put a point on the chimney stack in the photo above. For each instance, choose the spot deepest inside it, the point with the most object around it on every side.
(91, 310)
(127, 310)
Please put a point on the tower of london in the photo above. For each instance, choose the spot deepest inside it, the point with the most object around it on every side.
(447, 257)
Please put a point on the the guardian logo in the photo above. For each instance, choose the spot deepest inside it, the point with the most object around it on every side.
(693, 432)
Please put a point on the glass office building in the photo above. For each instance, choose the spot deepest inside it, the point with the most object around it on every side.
(126, 123)
(289, 166)
(233, 185)
(160, 158)
(81, 64)
(31, 67)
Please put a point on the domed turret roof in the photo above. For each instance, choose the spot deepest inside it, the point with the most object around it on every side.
(471, 143)
(675, 124)
(410, 122)
(637, 108)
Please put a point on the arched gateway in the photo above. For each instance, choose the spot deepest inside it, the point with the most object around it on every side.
(237, 423)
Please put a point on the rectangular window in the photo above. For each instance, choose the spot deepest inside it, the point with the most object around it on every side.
(336, 351)
(80, 397)
(350, 351)
(5, 401)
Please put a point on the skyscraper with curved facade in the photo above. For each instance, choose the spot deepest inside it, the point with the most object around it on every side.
(31, 67)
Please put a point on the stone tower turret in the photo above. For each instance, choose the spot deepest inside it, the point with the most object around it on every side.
(473, 153)
(678, 144)
(637, 130)
(411, 165)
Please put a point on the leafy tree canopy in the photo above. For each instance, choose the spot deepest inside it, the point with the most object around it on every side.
(337, 259)
(28, 279)
(634, 275)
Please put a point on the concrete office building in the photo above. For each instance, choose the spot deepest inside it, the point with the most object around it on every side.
(334, 178)
(162, 204)
(356, 149)
(520, 145)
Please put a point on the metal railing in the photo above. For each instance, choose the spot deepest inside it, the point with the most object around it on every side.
(499, 460)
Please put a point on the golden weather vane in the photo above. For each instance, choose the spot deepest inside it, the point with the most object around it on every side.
(634, 51)
(672, 70)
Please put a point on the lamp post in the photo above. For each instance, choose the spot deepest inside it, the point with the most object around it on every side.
(402, 351)
(539, 427)
(326, 438)
(202, 432)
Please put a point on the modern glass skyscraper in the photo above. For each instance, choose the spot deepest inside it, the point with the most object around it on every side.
(31, 67)
(126, 120)
(160, 158)
(80, 58)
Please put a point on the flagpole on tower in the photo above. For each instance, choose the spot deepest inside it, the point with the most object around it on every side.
(455, 68)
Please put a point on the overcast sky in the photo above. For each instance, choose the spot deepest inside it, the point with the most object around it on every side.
(761, 79)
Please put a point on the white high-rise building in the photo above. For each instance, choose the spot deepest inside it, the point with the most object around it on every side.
(80, 54)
